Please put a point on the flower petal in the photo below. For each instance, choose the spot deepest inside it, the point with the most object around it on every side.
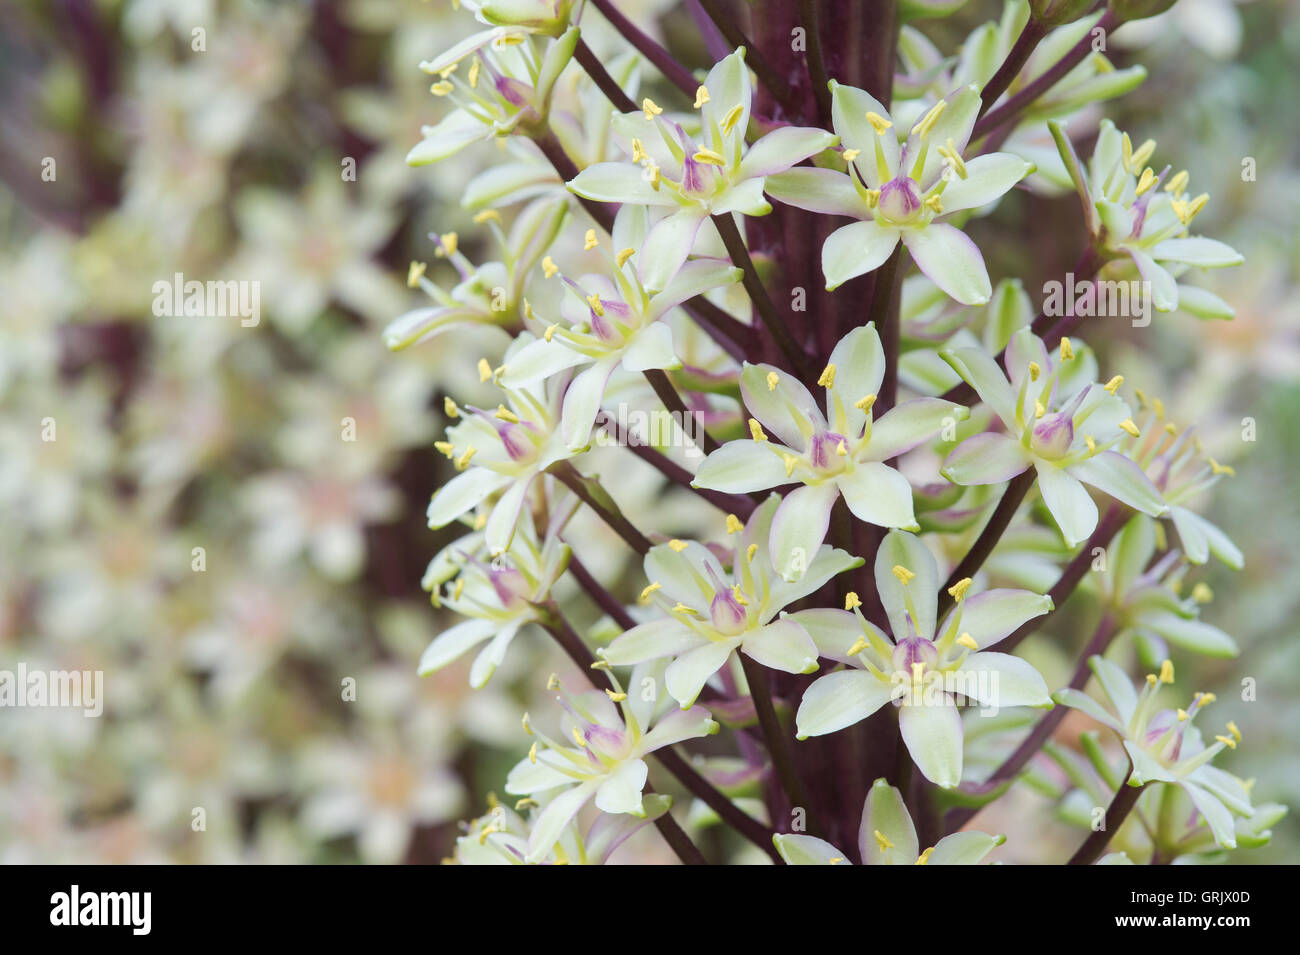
(1112, 473)
(964, 848)
(999, 679)
(582, 401)
(982, 373)
(1198, 251)
(807, 850)
(739, 467)
(550, 823)
(788, 410)
(817, 190)
(849, 108)
(456, 131)
(987, 178)
(951, 261)
(854, 250)
(1071, 505)
(995, 614)
(782, 148)
(879, 495)
(782, 645)
(838, 700)
(913, 422)
(618, 182)
(652, 347)
(650, 641)
(933, 734)
(986, 458)
(900, 549)
(621, 790)
(886, 813)
(667, 245)
(1164, 288)
(452, 642)
(799, 528)
(465, 491)
(686, 676)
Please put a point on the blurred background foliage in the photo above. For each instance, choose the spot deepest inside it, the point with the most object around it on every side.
(227, 687)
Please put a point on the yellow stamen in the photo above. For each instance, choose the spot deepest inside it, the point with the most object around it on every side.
(623, 256)
(449, 407)
(616, 697)
(1167, 672)
(1146, 180)
(638, 151)
(842, 449)
(750, 552)
(827, 379)
(733, 116)
(904, 575)
(756, 430)
(1182, 715)
(709, 157)
(487, 215)
(442, 87)
(850, 154)
(1128, 425)
(851, 600)
(414, 273)
(1091, 443)
(645, 594)
(1039, 410)
(445, 447)
(924, 857)
(682, 608)
(650, 108)
(733, 524)
(450, 243)
(790, 461)
(1178, 183)
(878, 123)
(701, 97)
(677, 545)
(1067, 350)
(1113, 385)
(484, 370)
(463, 461)
(1227, 741)
(773, 379)
(967, 641)
(934, 204)
(1034, 371)
(594, 301)
(550, 331)
(882, 840)
(532, 753)
(474, 69)
(549, 268)
(1236, 733)
(589, 240)
(528, 729)
(926, 125)
(958, 590)
(505, 414)
(860, 645)
(740, 596)
(865, 403)
(873, 198)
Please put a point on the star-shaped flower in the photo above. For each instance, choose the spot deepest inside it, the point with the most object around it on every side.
(922, 667)
(840, 452)
(902, 192)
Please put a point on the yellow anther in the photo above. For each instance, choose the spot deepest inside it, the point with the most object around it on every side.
(967, 641)
(926, 124)
(480, 521)
(851, 600)
(616, 697)
(601, 665)
(842, 449)
(1152, 679)
(1067, 350)
(1218, 468)
(835, 860)
(677, 545)
(1227, 741)
(958, 590)
(549, 268)
(1177, 183)
(579, 738)
(528, 729)
(527, 802)
(1236, 733)
(414, 273)
(750, 551)
(733, 116)
(873, 198)
(484, 370)
(1091, 442)
(449, 407)
(924, 857)
(882, 840)
(442, 87)
(509, 39)
(850, 154)
(1171, 428)
(650, 108)
(859, 645)
(950, 152)
(740, 596)
(878, 123)
(487, 215)
(505, 414)
(638, 151)
(623, 256)
(1146, 180)
(1158, 407)
(1167, 672)
(1039, 410)
(1141, 155)
(827, 379)
(528, 310)
(701, 97)
(550, 331)
(589, 240)
(445, 447)
(1202, 593)
(865, 403)
(904, 575)
(653, 171)
(474, 69)
(1196, 205)
(593, 300)
(450, 242)
(1128, 425)
(462, 462)
(734, 525)
(1113, 385)
(532, 754)
(756, 430)
(932, 203)
(1182, 714)
(1034, 371)
(709, 157)
(682, 608)
(645, 594)
(773, 379)
(458, 589)
(1207, 698)
(790, 462)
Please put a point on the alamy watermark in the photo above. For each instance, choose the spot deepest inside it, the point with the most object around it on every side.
(660, 429)
(232, 298)
(1099, 298)
(67, 689)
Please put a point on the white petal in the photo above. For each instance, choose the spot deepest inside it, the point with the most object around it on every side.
(465, 491)
(987, 178)
(885, 812)
(621, 790)
(986, 458)
(453, 642)
(686, 676)
(799, 528)
(933, 734)
(1071, 505)
(879, 495)
(782, 645)
(1112, 473)
(817, 190)
(854, 250)
(838, 700)
(618, 182)
(951, 261)
(999, 679)
(652, 347)
(739, 467)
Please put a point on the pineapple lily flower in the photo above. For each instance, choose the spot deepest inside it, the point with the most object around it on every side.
(1067, 436)
(888, 837)
(1144, 596)
(489, 294)
(1164, 745)
(903, 192)
(500, 836)
(611, 323)
(841, 452)
(498, 596)
(1176, 463)
(1133, 211)
(507, 86)
(503, 450)
(711, 612)
(607, 736)
(923, 667)
(696, 178)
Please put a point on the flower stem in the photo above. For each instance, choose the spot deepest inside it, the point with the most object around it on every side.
(673, 402)
(754, 59)
(677, 74)
(763, 303)
(811, 22)
(587, 489)
(600, 76)
(1120, 807)
(884, 312)
(778, 743)
(1026, 43)
(1012, 498)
